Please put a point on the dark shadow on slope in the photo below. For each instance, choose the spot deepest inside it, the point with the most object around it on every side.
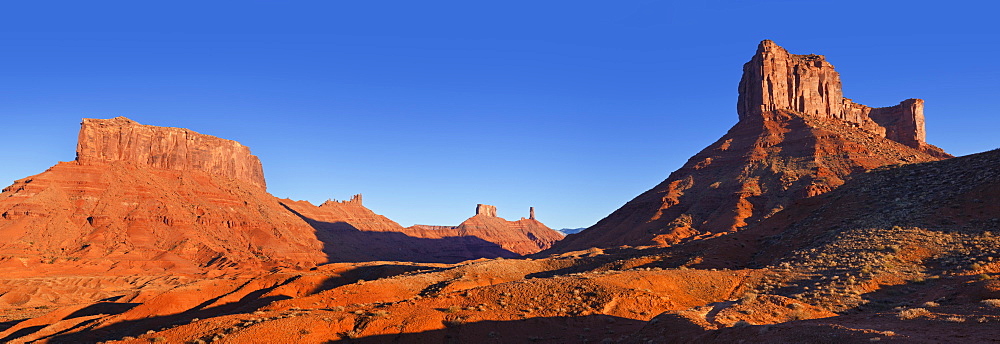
(368, 273)
(345, 243)
(248, 303)
(582, 329)
(8, 324)
(22, 332)
(102, 308)
(137, 327)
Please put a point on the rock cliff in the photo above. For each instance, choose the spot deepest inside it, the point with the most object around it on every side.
(796, 137)
(486, 210)
(122, 139)
(777, 80)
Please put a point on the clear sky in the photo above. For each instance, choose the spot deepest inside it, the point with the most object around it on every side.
(430, 107)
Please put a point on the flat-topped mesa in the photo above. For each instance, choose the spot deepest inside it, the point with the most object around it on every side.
(808, 84)
(486, 210)
(122, 139)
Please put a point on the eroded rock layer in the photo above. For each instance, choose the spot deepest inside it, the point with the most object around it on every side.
(122, 139)
(777, 80)
(123, 216)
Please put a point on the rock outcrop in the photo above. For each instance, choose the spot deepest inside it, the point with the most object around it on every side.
(122, 139)
(486, 210)
(796, 137)
(808, 84)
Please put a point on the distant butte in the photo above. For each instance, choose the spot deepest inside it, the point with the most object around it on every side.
(355, 233)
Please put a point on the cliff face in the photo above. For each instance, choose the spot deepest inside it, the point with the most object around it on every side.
(807, 84)
(796, 137)
(121, 139)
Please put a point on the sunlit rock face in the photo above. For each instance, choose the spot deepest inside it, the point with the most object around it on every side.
(797, 137)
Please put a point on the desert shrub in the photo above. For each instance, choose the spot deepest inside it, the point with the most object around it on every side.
(991, 302)
(158, 339)
(931, 304)
(742, 323)
(912, 313)
(455, 321)
(452, 309)
(350, 334)
(799, 314)
(955, 319)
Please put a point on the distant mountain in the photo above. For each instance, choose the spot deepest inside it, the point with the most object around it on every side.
(568, 231)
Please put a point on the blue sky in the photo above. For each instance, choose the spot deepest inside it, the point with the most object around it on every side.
(428, 108)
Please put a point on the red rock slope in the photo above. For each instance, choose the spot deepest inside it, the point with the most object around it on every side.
(149, 199)
(353, 232)
(796, 137)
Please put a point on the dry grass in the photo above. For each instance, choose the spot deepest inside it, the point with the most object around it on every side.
(991, 302)
(912, 313)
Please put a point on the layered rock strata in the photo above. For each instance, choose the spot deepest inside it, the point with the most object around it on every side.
(122, 139)
(777, 80)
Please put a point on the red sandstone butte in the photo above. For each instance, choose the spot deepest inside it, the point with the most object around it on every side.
(151, 199)
(797, 137)
(122, 139)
